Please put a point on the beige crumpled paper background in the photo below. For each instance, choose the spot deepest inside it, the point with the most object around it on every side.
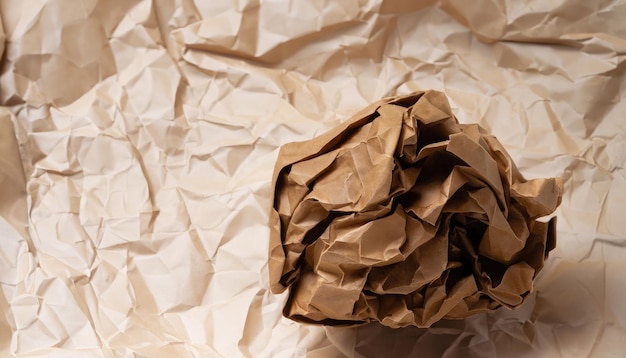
(138, 138)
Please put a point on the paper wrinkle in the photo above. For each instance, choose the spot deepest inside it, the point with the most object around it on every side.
(147, 135)
(2, 38)
(539, 22)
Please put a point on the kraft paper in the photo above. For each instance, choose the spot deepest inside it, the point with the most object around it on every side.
(404, 216)
(138, 140)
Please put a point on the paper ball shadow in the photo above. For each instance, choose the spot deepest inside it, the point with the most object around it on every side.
(564, 316)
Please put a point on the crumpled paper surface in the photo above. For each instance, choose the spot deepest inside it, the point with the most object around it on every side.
(402, 215)
(139, 139)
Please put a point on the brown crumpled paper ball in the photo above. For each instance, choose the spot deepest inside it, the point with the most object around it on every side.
(404, 216)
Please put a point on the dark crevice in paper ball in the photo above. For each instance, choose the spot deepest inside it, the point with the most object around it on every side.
(404, 216)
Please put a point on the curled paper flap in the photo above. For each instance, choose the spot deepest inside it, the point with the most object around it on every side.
(404, 216)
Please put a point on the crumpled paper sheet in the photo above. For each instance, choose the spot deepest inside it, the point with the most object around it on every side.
(404, 216)
(134, 199)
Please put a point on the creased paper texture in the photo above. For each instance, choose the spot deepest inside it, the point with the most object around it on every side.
(139, 139)
(404, 216)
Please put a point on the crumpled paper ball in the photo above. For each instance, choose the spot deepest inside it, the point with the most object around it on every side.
(404, 216)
